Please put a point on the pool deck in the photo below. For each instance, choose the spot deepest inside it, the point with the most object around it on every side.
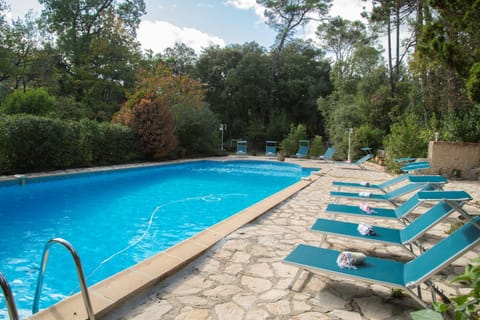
(234, 270)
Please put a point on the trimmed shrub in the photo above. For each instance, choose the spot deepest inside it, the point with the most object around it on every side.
(31, 143)
(197, 131)
(289, 145)
(405, 140)
(317, 147)
(30, 101)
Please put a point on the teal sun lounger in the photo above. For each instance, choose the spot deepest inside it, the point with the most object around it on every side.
(404, 237)
(384, 185)
(381, 186)
(357, 164)
(400, 213)
(416, 183)
(394, 274)
(242, 147)
(328, 155)
(303, 148)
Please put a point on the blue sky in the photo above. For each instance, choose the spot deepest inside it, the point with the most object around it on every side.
(200, 23)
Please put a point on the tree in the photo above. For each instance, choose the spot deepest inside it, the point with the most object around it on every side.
(451, 38)
(181, 59)
(302, 78)
(213, 68)
(155, 125)
(340, 37)
(20, 43)
(237, 84)
(285, 15)
(4, 50)
(97, 40)
(166, 106)
(247, 93)
(392, 15)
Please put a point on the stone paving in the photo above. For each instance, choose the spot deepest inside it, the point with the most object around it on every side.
(243, 276)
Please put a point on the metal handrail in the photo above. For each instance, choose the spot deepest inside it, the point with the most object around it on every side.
(80, 274)
(7, 292)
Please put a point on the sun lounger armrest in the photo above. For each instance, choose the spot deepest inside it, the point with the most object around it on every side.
(444, 195)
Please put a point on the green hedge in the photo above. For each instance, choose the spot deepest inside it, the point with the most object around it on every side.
(31, 143)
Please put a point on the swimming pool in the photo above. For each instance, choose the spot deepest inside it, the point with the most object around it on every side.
(116, 219)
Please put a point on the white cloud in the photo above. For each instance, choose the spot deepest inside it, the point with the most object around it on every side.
(348, 9)
(242, 4)
(248, 5)
(160, 35)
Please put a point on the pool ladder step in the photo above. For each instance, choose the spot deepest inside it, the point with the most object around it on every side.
(80, 274)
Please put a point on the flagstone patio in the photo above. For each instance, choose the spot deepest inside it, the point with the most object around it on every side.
(243, 276)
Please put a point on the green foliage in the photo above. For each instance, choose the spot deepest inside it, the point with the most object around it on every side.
(366, 136)
(277, 126)
(32, 143)
(31, 101)
(340, 36)
(69, 109)
(405, 140)
(256, 136)
(462, 307)
(239, 88)
(197, 131)
(317, 147)
(461, 126)
(302, 77)
(342, 116)
(98, 48)
(473, 84)
(154, 124)
(168, 113)
(426, 314)
(290, 144)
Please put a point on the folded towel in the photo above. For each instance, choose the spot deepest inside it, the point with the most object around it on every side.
(365, 229)
(365, 183)
(366, 208)
(364, 194)
(350, 260)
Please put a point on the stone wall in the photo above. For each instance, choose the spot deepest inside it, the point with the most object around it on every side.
(455, 159)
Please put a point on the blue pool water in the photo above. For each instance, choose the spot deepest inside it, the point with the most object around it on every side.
(118, 218)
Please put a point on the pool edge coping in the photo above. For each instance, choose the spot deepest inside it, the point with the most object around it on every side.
(115, 290)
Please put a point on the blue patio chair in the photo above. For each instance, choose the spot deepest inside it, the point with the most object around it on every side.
(241, 147)
(270, 148)
(404, 237)
(357, 164)
(394, 274)
(303, 148)
(328, 155)
(427, 182)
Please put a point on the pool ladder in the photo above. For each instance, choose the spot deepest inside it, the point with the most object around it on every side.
(80, 274)
(7, 292)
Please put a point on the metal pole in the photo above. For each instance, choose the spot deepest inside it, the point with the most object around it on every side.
(221, 129)
(350, 131)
